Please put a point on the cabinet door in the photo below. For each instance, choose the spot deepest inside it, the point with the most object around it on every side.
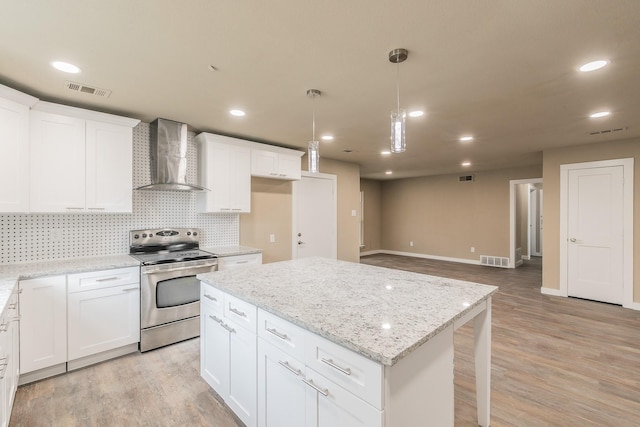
(43, 323)
(57, 169)
(109, 174)
(281, 392)
(264, 163)
(103, 319)
(214, 351)
(329, 405)
(14, 152)
(289, 167)
(5, 383)
(240, 180)
(242, 397)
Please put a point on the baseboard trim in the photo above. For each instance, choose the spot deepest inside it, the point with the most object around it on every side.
(427, 256)
(633, 306)
(101, 357)
(552, 292)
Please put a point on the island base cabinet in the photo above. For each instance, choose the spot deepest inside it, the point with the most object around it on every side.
(228, 363)
(281, 392)
(291, 394)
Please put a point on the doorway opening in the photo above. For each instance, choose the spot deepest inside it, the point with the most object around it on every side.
(525, 220)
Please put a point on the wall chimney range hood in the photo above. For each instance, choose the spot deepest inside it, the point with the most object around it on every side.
(168, 152)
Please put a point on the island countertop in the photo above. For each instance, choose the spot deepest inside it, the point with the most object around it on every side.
(378, 312)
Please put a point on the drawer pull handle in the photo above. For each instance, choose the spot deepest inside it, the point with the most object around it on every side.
(228, 328)
(107, 279)
(291, 368)
(324, 392)
(12, 306)
(4, 327)
(96, 209)
(242, 262)
(129, 289)
(236, 311)
(207, 296)
(278, 334)
(215, 319)
(330, 362)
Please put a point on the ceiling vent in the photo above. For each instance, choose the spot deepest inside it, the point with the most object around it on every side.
(77, 87)
(606, 131)
(465, 178)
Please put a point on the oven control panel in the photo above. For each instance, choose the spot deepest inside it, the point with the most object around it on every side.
(163, 236)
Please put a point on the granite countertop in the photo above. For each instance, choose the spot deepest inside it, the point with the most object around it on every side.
(381, 313)
(31, 270)
(223, 251)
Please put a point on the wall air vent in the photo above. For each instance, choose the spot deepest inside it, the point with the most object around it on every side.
(465, 178)
(607, 131)
(494, 261)
(78, 87)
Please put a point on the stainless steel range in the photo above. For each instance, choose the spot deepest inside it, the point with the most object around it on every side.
(169, 290)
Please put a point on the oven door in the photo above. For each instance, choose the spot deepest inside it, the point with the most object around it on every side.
(171, 292)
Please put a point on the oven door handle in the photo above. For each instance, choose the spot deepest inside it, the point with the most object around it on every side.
(168, 270)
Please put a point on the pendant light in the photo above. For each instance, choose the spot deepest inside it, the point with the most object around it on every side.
(314, 145)
(398, 142)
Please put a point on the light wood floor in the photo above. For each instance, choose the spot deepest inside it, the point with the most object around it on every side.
(556, 362)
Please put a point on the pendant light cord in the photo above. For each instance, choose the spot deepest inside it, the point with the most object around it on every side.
(313, 117)
(398, 85)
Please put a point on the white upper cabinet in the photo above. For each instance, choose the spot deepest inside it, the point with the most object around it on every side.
(14, 150)
(276, 163)
(81, 161)
(225, 169)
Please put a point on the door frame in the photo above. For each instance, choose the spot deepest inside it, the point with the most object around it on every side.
(627, 224)
(512, 215)
(294, 214)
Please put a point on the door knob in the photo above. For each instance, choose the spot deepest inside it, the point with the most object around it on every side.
(300, 242)
(573, 240)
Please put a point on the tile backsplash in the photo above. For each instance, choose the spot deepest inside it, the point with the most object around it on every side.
(40, 237)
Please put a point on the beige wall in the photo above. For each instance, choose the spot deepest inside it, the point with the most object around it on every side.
(270, 214)
(552, 159)
(348, 199)
(372, 193)
(445, 217)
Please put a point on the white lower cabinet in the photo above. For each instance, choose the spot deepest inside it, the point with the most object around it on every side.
(228, 351)
(43, 324)
(9, 358)
(290, 393)
(68, 322)
(238, 261)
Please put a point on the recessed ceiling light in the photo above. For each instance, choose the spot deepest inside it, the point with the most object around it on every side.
(600, 114)
(466, 163)
(594, 65)
(466, 138)
(416, 113)
(66, 67)
(385, 152)
(237, 113)
(327, 138)
(388, 172)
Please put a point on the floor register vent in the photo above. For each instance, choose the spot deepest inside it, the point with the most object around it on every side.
(494, 261)
(78, 87)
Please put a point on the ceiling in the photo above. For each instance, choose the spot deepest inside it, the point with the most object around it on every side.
(503, 71)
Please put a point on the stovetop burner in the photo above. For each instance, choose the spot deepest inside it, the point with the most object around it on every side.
(163, 246)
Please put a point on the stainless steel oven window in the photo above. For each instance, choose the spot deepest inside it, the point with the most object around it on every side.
(177, 291)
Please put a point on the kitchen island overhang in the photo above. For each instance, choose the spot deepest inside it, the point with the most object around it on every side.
(382, 314)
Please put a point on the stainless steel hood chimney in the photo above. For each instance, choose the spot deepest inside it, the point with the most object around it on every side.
(169, 157)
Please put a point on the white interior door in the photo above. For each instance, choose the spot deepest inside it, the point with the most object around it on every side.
(315, 216)
(595, 234)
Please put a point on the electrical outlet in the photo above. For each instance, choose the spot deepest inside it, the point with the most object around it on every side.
(411, 243)
(55, 234)
(272, 238)
(354, 213)
(473, 248)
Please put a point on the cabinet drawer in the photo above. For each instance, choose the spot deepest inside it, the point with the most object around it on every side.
(103, 279)
(240, 312)
(239, 261)
(356, 373)
(282, 334)
(211, 298)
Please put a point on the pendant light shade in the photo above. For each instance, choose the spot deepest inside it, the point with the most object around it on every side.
(398, 116)
(314, 145)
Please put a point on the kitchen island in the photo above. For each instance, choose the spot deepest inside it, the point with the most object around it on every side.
(376, 344)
